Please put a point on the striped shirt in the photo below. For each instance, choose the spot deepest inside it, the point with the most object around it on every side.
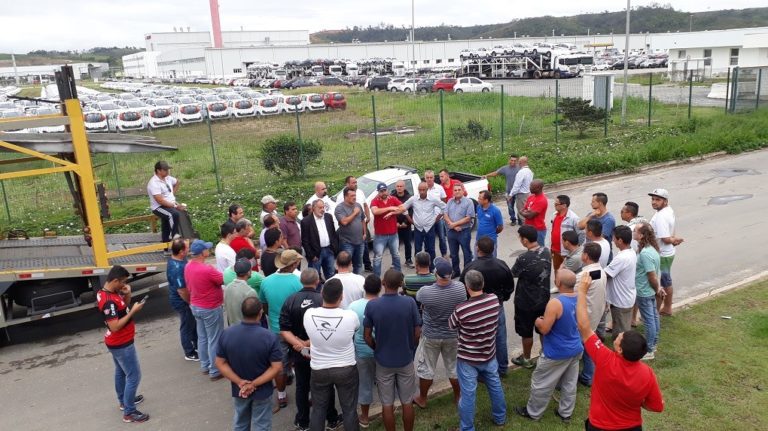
(415, 282)
(437, 305)
(476, 321)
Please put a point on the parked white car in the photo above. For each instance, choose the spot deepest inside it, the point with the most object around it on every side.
(95, 121)
(188, 110)
(313, 102)
(267, 106)
(243, 108)
(522, 48)
(161, 113)
(214, 107)
(409, 85)
(472, 85)
(393, 83)
(289, 104)
(45, 110)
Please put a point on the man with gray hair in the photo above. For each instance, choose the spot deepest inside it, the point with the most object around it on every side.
(427, 210)
(522, 187)
(436, 191)
(558, 364)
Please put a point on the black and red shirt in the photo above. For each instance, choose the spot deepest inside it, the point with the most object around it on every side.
(112, 307)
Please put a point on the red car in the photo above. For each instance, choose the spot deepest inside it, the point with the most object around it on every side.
(334, 100)
(445, 84)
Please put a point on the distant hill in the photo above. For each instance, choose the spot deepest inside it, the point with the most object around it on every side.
(113, 56)
(654, 19)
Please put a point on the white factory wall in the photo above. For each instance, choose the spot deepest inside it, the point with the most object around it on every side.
(168, 41)
(141, 64)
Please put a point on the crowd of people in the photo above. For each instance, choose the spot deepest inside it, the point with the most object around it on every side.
(338, 334)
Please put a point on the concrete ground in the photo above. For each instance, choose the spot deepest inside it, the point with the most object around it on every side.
(58, 374)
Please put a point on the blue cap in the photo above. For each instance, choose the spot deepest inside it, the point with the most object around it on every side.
(199, 246)
(443, 268)
(381, 187)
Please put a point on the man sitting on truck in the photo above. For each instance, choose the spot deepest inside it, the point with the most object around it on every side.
(162, 200)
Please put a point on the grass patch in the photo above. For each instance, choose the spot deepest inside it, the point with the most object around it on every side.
(711, 371)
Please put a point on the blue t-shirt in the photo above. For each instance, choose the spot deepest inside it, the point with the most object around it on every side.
(393, 318)
(362, 350)
(250, 350)
(175, 275)
(488, 220)
(563, 340)
(609, 223)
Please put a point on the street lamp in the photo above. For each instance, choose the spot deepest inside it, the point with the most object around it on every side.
(626, 70)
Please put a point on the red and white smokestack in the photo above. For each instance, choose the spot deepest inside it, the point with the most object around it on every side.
(216, 24)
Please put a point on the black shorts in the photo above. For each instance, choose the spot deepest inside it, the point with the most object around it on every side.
(525, 320)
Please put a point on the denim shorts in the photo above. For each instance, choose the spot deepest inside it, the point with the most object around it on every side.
(366, 371)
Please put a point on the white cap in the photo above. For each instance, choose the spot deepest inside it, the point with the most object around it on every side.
(662, 193)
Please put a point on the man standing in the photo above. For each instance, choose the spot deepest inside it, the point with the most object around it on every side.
(447, 183)
(331, 332)
(521, 187)
(275, 289)
(352, 283)
(594, 233)
(385, 209)
(396, 323)
(178, 296)
(235, 213)
(242, 239)
(321, 192)
(113, 300)
(535, 210)
(623, 385)
(269, 222)
(426, 212)
(351, 183)
(558, 365)
(249, 357)
(498, 280)
(295, 335)
(436, 191)
(268, 206)
(476, 355)
(570, 244)
(621, 291)
(162, 188)
(595, 301)
(600, 213)
(564, 220)
(458, 220)
(225, 255)
(437, 304)
(236, 292)
(532, 269)
(509, 172)
(663, 223)
(422, 277)
(205, 298)
(647, 283)
(319, 239)
(404, 222)
(366, 364)
(273, 239)
(289, 226)
(490, 222)
(629, 214)
(349, 214)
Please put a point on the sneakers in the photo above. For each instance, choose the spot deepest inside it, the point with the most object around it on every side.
(282, 402)
(333, 425)
(192, 357)
(409, 263)
(523, 411)
(137, 400)
(136, 416)
(564, 419)
(298, 427)
(216, 377)
(520, 361)
(648, 356)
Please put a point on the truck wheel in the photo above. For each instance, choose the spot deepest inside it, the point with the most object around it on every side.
(485, 90)
(557, 74)
(537, 74)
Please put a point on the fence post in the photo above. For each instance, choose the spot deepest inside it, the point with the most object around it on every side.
(759, 83)
(117, 177)
(734, 90)
(727, 88)
(650, 97)
(502, 118)
(301, 143)
(375, 131)
(690, 92)
(607, 104)
(213, 153)
(5, 200)
(442, 125)
(557, 115)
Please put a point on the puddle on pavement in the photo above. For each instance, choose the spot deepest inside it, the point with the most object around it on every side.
(730, 173)
(724, 200)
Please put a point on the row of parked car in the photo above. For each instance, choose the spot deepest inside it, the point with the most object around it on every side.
(516, 49)
(297, 82)
(428, 85)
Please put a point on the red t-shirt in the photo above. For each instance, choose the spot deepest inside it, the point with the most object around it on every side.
(556, 224)
(113, 307)
(539, 204)
(204, 285)
(240, 243)
(383, 226)
(620, 389)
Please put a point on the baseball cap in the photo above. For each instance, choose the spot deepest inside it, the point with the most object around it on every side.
(443, 268)
(380, 187)
(662, 193)
(268, 199)
(198, 246)
(242, 266)
(287, 257)
(162, 164)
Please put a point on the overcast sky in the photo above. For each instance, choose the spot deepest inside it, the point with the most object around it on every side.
(83, 24)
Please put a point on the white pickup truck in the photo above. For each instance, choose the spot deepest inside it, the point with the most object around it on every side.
(473, 184)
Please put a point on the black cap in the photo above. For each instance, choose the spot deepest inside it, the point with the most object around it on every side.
(242, 266)
(162, 164)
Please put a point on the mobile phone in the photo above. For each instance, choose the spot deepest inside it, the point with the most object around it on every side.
(595, 275)
(305, 351)
(143, 300)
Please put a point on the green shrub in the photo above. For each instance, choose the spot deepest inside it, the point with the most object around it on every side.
(579, 115)
(473, 131)
(285, 153)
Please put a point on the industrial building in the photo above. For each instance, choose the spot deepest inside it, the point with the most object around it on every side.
(43, 73)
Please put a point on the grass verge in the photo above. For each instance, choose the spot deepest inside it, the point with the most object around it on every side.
(711, 371)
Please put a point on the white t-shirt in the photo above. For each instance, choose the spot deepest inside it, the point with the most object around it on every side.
(225, 256)
(595, 294)
(162, 187)
(605, 251)
(331, 334)
(620, 291)
(437, 192)
(329, 204)
(663, 224)
(353, 287)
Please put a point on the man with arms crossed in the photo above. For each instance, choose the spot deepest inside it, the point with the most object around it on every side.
(663, 223)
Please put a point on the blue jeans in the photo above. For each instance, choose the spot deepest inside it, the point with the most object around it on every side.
(647, 307)
(425, 241)
(356, 251)
(405, 236)
(442, 237)
(541, 236)
(210, 325)
(127, 376)
(187, 329)
(511, 209)
(460, 239)
(468, 374)
(326, 263)
(588, 371)
(502, 354)
(380, 242)
(252, 415)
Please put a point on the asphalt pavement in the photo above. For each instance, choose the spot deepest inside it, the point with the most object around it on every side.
(57, 374)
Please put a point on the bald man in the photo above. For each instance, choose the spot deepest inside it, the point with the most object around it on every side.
(522, 187)
(321, 192)
(535, 210)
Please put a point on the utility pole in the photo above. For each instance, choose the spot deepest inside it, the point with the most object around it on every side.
(15, 70)
(626, 70)
(690, 23)
(413, 30)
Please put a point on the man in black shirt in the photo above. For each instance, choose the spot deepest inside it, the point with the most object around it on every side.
(533, 270)
(498, 281)
(404, 222)
(293, 332)
(273, 238)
